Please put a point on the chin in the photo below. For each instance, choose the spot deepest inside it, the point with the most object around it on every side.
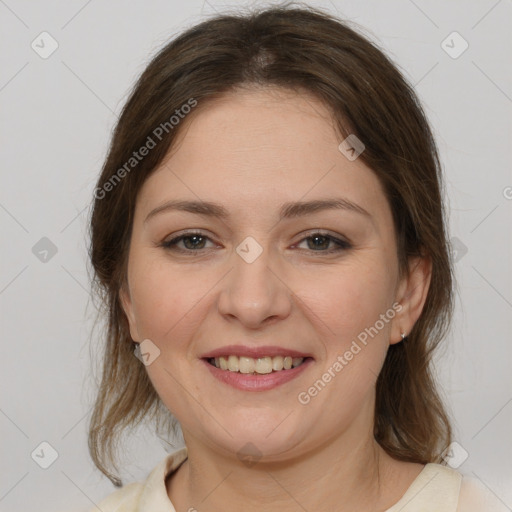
(259, 441)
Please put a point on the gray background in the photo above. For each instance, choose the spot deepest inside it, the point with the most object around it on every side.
(57, 116)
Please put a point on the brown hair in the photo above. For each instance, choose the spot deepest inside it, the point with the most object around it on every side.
(302, 49)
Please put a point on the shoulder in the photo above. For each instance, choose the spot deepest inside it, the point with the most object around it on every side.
(125, 499)
(146, 496)
(475, 497)
(454, 491)
(436, 488)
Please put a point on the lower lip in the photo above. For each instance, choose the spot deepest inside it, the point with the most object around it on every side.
(264, 382)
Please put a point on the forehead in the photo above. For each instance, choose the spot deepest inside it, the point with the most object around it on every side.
(253, 126)
(257, 149)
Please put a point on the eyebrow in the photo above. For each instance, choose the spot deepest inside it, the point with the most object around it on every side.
(287, 210)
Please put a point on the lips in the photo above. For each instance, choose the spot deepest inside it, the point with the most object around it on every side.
(256, 368)
(254, 381)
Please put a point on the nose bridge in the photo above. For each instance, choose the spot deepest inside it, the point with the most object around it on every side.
(252, 292)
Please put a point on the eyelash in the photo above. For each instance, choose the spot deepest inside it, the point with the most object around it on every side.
(343, 245)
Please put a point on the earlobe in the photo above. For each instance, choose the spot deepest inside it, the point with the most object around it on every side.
(126, 304)
(412, 294)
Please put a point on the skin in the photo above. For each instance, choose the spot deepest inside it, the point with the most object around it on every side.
(251, 151)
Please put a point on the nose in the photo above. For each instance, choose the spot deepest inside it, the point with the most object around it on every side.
(255, 293)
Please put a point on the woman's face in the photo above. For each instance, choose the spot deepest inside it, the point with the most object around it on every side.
(256, 283)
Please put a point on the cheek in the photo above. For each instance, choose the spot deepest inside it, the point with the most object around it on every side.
(354, 297)
(358, 339)
(164, 299)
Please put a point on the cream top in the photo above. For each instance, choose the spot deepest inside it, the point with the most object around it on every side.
(436, 489)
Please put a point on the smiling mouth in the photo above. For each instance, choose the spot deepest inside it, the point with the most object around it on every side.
(256, 366)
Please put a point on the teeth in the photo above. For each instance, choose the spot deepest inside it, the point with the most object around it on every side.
(261, 365)
(246, 365)
(233, 363)
(277, 363)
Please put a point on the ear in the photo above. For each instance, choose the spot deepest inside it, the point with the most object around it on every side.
(127, 305)
(411, 295)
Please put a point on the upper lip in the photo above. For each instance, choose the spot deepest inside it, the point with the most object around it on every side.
(254, 352)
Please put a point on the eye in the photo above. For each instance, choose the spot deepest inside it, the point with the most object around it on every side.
(193, 242)
(318, 241)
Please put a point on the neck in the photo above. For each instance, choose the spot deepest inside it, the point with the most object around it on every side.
(350, 472)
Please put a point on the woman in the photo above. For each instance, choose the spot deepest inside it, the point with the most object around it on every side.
(268, 233)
